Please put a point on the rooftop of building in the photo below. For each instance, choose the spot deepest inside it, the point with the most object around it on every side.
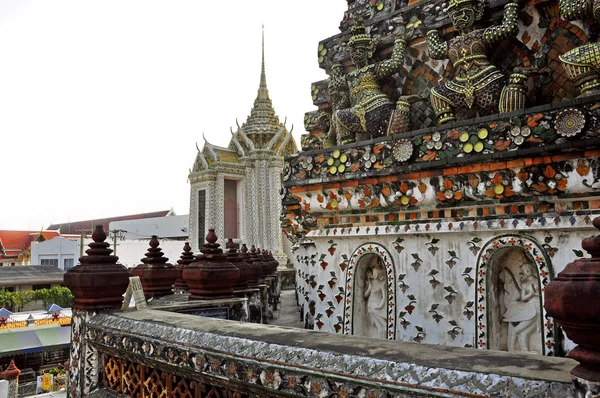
(30, 275)
(76, 227)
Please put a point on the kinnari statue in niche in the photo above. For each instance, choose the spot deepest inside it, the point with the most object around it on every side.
(370, 109)
(477, 83)
(582, 63)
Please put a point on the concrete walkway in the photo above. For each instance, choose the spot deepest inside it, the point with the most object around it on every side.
(288, 313)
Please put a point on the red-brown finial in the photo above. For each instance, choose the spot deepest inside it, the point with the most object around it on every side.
(99, 235)
(211, 237)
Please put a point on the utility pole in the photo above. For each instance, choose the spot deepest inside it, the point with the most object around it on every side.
(115, 232)
(83, 234)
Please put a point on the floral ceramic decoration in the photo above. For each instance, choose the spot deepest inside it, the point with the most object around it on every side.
(569, 122)
(403, 150)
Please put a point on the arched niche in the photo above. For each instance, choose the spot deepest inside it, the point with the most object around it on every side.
(370, 308)
(512, 271)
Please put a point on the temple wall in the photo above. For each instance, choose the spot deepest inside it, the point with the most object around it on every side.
(429, 269)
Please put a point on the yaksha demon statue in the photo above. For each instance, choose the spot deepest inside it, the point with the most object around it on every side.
(477, 83)
(370, 109)
(582, 63)
(340, 99)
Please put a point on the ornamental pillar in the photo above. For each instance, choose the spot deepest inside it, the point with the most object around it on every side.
(11, 374)
(97, 284)
(572, 300)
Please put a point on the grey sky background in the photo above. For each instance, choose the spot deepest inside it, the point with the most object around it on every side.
(102, 102)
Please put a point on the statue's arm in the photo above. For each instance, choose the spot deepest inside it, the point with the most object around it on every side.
(393, 65)
(338, 81)
(438, 48)
(572, 10)
(383, 296)
(509, 27)
(527, 294)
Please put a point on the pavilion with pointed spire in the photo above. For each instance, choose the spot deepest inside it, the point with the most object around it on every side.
(236, 190)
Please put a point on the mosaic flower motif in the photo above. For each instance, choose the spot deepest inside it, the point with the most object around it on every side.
(520, 134)
(545, 181)
(337, 162)
(404, 195)
(434, 314)
(402, 150)
(437, 146)
(420, 336)
(306, 162)
(569, 122)
(498, 187)
(468, 312)
(474, 142)
(449, 191)
(403, 321)
(368, 160)
(455, 331)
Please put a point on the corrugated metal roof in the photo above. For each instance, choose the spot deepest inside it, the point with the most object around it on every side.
(88, 225)
(30, 274)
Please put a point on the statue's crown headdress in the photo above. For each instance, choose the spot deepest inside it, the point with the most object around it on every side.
(359, 34)
(456, 3)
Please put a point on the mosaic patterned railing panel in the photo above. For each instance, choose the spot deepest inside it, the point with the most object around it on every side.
(500, 137)
(139, 381)
(155, 349)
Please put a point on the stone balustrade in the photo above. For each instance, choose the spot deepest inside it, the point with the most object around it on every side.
(149, 352)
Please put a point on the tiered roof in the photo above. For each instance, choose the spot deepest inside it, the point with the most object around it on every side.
(261, 131)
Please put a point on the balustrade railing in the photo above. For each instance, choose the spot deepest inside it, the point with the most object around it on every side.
(152, 353)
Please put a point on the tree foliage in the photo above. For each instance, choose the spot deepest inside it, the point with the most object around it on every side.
(16, 301)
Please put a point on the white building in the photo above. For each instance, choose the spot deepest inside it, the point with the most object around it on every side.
(132, 242)
(236, 190)
(61, 251)
(169, 227)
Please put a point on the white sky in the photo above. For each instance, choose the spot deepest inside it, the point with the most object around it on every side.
(102, 102)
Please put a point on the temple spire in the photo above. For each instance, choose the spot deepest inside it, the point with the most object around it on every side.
(262, 123)
(263, 93)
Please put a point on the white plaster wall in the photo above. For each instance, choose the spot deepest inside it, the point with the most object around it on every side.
(317, 263)
(163, 227)
(131, 252)
(59, 248)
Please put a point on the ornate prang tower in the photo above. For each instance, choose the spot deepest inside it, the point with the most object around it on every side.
(236, 189)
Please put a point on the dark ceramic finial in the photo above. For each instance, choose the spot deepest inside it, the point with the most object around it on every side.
(230, 245)
(211, 248)
(211, 275)
(157, 276)
(187, 257)
(572, 300)
(211, 237)
(97, 282)
(154, 255)
(98, 248)
(592, 244)
(99, 235)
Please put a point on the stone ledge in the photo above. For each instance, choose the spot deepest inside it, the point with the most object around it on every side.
(157, 337)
